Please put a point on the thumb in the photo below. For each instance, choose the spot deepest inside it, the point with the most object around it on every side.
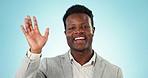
(46, 33)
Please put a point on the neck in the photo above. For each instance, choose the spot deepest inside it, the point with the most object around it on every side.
(82, 57)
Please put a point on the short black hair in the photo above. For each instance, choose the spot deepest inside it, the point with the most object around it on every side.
(77, 9)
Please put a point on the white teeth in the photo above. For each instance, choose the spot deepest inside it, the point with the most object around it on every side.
(78, 38)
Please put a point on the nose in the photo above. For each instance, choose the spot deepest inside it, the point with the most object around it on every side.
(79, 31)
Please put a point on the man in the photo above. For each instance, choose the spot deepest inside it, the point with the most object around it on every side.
(81, 61)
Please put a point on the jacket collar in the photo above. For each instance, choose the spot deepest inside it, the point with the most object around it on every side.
(67, 67)
(99, 68)
(91, 61)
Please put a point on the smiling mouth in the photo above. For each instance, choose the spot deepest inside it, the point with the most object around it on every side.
(79, 40)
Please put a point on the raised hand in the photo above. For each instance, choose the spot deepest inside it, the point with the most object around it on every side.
(35, 40)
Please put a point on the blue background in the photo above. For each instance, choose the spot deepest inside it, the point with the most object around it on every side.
(121, 34)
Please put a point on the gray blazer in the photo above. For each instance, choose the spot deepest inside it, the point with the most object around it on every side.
(60, 67)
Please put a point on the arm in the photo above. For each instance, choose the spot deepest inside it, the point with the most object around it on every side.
(27, 68)
(32, 68)
(36, 41)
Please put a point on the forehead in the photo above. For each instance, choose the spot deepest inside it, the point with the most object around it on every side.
(77, 17)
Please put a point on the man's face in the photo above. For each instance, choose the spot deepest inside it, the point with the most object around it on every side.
(79, 31)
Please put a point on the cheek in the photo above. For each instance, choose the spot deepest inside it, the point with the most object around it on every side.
(89, 34)
(90, 37)
(68, 36)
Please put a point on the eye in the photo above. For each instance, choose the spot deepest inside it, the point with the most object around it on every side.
(71, 28)
(85, 26)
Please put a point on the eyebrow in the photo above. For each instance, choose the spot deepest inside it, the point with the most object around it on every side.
(81, 23)
(85, 23)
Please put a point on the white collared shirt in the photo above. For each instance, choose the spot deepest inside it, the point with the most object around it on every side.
(85, 71)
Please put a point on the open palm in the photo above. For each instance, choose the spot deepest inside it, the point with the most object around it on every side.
(35, 40)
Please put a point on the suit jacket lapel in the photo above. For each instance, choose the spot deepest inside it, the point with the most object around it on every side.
(67, 67)
(99, 68)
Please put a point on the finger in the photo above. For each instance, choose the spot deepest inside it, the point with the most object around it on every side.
(46, 33)
(35, 23)
(23, 29)
(27, 25)
(29, 22)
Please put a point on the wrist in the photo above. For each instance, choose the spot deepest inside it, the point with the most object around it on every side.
(35, 51)
(33, 56)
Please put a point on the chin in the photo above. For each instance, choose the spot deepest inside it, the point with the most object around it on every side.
(80, 49)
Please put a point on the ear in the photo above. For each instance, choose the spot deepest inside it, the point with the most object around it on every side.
(93, 30)
(65, 32)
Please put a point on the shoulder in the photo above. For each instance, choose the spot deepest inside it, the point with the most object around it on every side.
(109, 69)
(106, 63)
(54, 60)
